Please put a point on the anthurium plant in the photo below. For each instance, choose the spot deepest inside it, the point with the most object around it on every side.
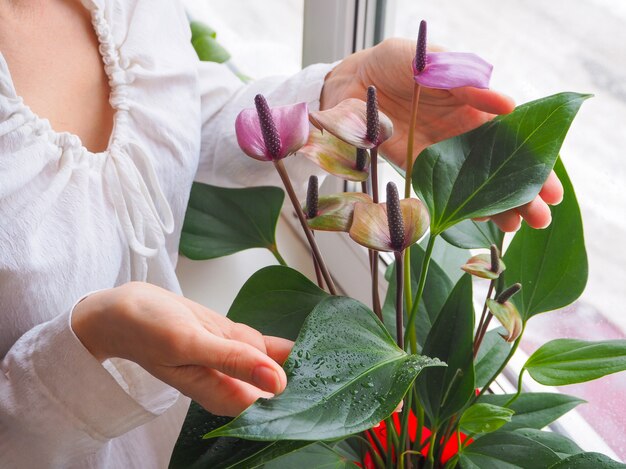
(405, 382)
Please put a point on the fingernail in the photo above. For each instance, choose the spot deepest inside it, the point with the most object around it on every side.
(266, 378)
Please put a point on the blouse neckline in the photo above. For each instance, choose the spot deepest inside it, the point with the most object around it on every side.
(117, 78)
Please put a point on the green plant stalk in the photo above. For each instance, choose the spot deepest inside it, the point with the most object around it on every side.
(430, 460)
(419, 416)
(408, 294)
(390, 447)
(282, 172)
(504, 364)
(519, 389)
(410, 327)
(374, 175)
(274, 250)
(399, 300)
(447, 435)
(404, 426)
(379, 446)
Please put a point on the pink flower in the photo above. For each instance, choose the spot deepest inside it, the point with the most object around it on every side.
(447, 70)
(272, 134)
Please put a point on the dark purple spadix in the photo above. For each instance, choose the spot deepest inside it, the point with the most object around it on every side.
(361, 158)
(508, 293)
(495, 258)
(373, 124)
(312, 198)
(268, 127)
(394, 217)
(420, 51)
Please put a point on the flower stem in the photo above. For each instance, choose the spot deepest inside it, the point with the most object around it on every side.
(430, 460)
(282, 172)
(375, 294)
(411, 139)
(274, 250)
(318, 271)
(399, 300)
(410, 327)
(479, 331)
(504, 364)
(519, 389)
(377, 443)
(404, 427)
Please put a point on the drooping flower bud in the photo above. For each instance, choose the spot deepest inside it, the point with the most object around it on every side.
(312, 198)
(508, 293)
(373, 124)
(394, 217)
(420, 50)
(495, 259)
(361, 158)
(509, 317)
(268, 127)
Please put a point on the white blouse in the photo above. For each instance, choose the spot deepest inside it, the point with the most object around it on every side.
(73, 221)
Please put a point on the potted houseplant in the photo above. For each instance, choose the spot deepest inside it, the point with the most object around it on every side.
(424, 347)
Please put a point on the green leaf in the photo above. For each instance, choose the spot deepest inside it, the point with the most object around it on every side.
(318, 456)
(501, 165)
(344, 375)
(551, 264)
(470, 234)
(445, 391)
(199, 29)
(276, 301)
(192, 451)
(568, 361)
(436, 291)
(534, 409)
(209, 50)
(491, 354)
(484, 418)
(588, 461)
(504, 450)
(562, 446)
(222, 221)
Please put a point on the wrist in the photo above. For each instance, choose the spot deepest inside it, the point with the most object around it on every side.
(87, 325)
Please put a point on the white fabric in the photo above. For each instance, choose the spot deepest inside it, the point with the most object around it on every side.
(72, 222)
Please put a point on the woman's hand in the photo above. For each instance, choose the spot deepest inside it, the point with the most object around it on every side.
(441, 114)
(222, 365)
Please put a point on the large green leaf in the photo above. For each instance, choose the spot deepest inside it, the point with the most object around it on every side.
(470, 234)
(221, 221)
(436, 291)
(534, 409)
(194, 452)
(344, 375)
(568, 361)
(550, 264)
(276, 300)
(491, 355)
(561, 445)
(588, 461)
(444, 391)
(501, 165)
(505, 450)
(484, 418)
(318, 456)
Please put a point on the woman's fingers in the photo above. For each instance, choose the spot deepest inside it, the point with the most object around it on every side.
(508, 221)
(536, 213)
(236, 359)
(552, 190)
(216, 392)
(488, 101)
(278, 348)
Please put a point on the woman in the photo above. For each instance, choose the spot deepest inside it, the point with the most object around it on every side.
(106, 117)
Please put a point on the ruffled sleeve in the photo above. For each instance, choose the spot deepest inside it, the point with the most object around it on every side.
(223, 95)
